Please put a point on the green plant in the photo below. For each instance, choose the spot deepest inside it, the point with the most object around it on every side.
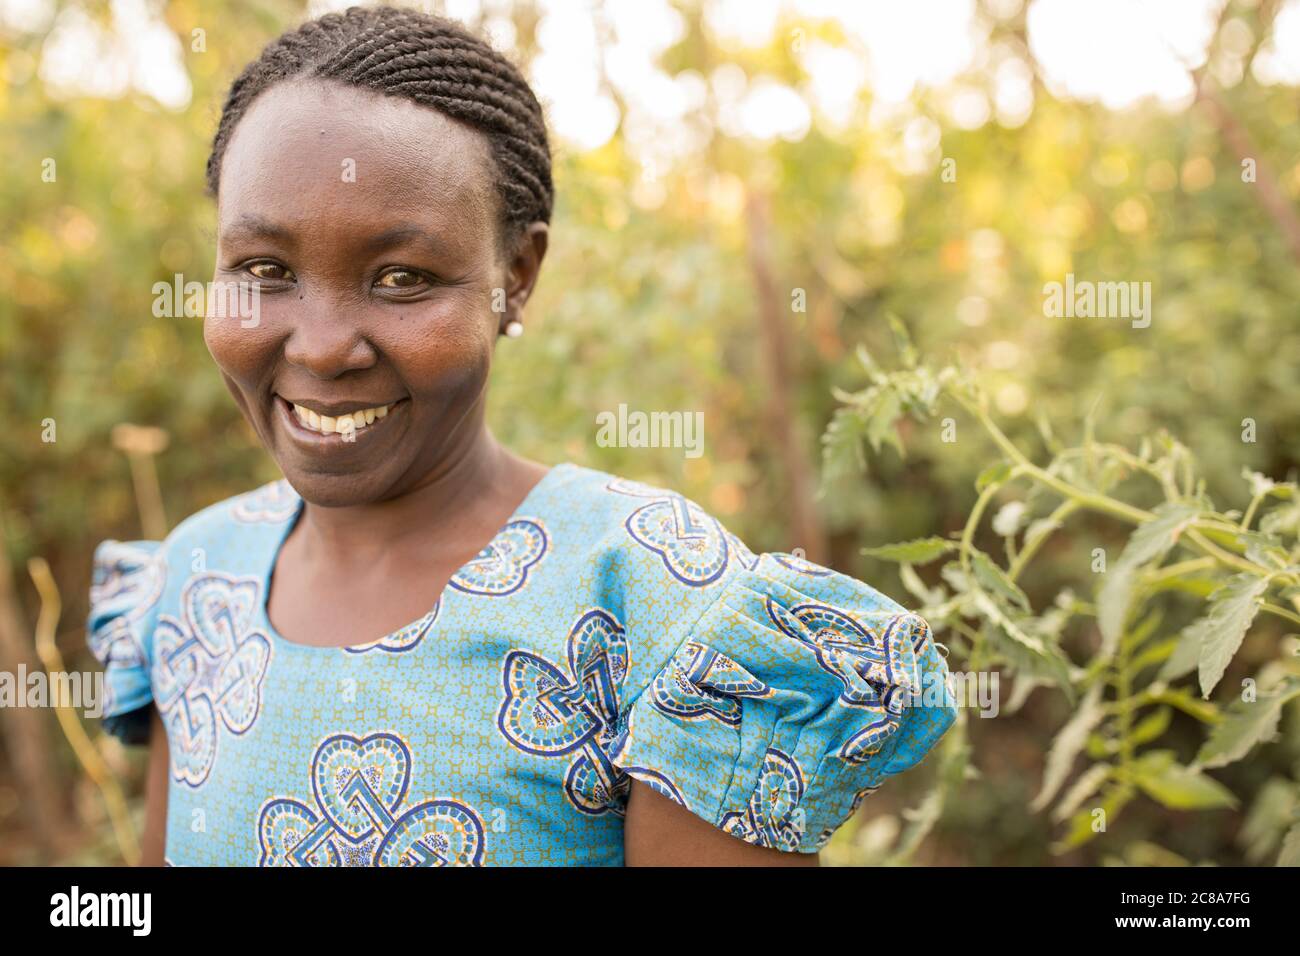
(1180, 597)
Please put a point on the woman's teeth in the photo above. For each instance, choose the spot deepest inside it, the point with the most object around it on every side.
(343, 424)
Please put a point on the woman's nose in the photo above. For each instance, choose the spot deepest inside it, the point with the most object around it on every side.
(327, 343)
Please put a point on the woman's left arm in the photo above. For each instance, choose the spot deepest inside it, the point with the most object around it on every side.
(659, 832)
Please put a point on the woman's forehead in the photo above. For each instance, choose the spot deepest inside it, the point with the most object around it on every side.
(310, 149)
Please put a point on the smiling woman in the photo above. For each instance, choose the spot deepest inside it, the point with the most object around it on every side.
(420, 648)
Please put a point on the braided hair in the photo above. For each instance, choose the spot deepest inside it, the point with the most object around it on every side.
(430, 60)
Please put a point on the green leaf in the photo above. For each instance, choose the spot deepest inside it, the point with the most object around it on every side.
(842, 443)
(902, 341)
(1044, 425)
(993, 475)
(866, 361)
(1158, 653)
(1266, 823)
(1267, 550)
(991, 576)
(1067, 745)
(1259, 484)
(882, 419)
(1149, 542)
(912, 581)
(918, 551)
(1290, 855)
(1178, 787)
(1187, 652)
(1023, 649)
(1088, 783)
(1081, 824)
(1246, 724)
(1219, 634)
(1144, 853)
(1154, 538)
(1151, 726)
(1283, 520)
(1100, 746)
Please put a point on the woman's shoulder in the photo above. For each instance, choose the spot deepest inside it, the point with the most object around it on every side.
(678, 540)
(643, 529)
(614, 498)
(134, 587)
(764, 692)
(670, 561)
(144, 564)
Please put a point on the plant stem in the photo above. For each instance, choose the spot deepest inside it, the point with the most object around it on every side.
(1226, 557)
(1094, 501)
(1249, 516)
(1086, 499)
(1056, 518)
(973, 520)
(1180, 568)
(1280, 612)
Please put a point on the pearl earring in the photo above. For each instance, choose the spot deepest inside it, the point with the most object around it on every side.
(514, 328)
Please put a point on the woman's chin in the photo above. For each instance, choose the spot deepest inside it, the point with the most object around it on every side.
(335, 490)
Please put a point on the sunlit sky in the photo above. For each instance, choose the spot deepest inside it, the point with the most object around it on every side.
(1116, 52)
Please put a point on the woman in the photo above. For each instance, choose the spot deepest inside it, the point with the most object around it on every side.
(420, 648)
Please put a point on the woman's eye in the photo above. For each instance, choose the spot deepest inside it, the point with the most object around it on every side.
(400, 279)
(269, 270)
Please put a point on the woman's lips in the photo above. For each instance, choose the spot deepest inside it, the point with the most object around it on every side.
(348, 425)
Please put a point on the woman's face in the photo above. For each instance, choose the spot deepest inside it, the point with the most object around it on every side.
(369, 226)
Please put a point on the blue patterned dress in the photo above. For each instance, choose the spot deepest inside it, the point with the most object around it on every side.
(609, 631)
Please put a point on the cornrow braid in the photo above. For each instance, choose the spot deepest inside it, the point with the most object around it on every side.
(430, 60)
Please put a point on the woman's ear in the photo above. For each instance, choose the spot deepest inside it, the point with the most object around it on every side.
(522, 270)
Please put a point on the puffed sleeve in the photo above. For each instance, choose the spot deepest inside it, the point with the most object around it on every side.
(795, 695)
(127, 582)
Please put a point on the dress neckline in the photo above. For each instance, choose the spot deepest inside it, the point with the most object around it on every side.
(527, 507)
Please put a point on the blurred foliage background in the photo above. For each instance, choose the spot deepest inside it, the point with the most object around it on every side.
(752, 211)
